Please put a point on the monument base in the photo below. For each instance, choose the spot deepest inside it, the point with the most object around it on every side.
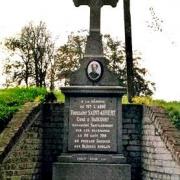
(92, 158)
(91, 171)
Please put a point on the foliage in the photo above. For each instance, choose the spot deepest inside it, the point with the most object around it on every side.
(173, 107)
(67, 56)
(115, 53)
(12, 99)
(33, 50)
(144, 100)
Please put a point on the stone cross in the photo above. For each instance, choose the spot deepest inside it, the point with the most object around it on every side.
(95, 11)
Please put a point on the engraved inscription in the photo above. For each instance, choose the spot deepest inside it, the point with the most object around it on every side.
(92, 124)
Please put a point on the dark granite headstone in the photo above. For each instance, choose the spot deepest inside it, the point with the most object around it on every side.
(92, 147)
(92, 124)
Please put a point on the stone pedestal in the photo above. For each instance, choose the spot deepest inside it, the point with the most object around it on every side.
(93, 119)
(92, 147)
(91, 171)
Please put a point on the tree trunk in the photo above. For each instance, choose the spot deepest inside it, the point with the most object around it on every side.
(52, 78)
(36, 70)
(129, 53)
(26, 74)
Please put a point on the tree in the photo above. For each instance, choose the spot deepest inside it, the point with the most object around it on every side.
(68, 55)
(116, 54)
(22, 66)
(36, 51)
(7, 70)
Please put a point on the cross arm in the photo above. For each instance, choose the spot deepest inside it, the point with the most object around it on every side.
(112, 3)
(77, 3)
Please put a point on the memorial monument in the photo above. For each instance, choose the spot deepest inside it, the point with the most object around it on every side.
(92, 144)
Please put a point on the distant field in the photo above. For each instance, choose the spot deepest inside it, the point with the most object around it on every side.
(13, 98)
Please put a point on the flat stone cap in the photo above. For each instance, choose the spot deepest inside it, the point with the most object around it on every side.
(113, 3)
(107, 91)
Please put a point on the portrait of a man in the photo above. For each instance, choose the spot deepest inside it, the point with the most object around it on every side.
(94, 70)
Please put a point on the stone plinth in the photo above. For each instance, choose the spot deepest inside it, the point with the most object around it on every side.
(93, 119)
(92, 147)
(91, 171)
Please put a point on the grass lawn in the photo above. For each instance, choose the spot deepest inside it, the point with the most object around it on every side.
(13, 98)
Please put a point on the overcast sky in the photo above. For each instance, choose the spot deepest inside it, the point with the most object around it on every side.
(160, 50)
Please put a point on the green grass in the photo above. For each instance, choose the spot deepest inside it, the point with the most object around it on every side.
(13, 98)
(172, 107)
(60, 96)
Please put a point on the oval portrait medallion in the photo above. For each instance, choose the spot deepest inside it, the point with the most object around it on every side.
(94, 70)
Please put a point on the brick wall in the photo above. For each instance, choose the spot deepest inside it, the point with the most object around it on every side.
(36, 137)
(32, 141)
(16, 152)
(52, 123)
(132, 120)
(160, 141)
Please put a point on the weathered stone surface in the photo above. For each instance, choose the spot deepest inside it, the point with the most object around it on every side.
(89, 104)
(91, 171)
(94, 46)
(92, 158)
(92, 124)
